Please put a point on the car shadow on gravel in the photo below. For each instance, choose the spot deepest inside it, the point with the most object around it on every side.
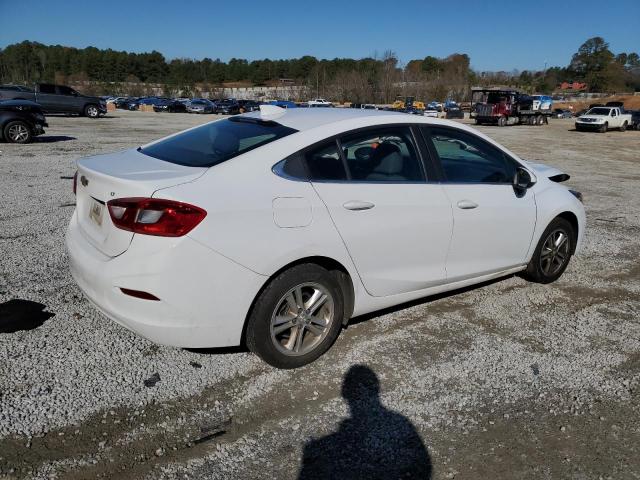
(53, 139)
(424, 300)
(373, 443)
(16, 315)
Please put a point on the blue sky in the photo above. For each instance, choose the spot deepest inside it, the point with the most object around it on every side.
(497, 35)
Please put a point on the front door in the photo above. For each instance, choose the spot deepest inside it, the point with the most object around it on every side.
(493, 226)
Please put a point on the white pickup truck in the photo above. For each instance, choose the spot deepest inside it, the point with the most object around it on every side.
(603, 119)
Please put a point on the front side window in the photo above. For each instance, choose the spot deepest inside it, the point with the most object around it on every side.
(465, 158)
(216, 142)
(382, 155)
(62, 90)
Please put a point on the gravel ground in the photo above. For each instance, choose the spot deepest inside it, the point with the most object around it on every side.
(504, 380)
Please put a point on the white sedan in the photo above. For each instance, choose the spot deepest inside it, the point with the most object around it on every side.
(274, 228)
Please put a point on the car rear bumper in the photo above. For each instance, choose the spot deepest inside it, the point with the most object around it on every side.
(204, 297)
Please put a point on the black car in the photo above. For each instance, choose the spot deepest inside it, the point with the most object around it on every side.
(169, 105)
(635, 119)
(227, 107)
(56, 99)
(248, 105)
(20, 121)
(123, 103)
(454, 112)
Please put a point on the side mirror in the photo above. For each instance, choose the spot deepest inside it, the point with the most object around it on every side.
(522, 181)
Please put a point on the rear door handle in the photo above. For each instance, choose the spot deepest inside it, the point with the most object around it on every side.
(358, 205)
(467, 204)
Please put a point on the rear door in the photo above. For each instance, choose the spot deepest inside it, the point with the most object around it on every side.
(48, 98)
(395, 225)
(493, 226)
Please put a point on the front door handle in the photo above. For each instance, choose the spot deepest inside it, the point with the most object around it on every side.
(467, 204)
(358, 205)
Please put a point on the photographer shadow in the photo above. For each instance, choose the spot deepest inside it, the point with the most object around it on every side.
(373, 443)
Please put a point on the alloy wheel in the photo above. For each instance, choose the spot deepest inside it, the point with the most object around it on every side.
(302, 319)
(92, 111)
(555, 252)
(18, 133)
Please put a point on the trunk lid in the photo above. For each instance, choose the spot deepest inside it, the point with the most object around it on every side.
(118, 175)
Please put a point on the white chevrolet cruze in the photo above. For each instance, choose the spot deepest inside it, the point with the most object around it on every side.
(274, 228)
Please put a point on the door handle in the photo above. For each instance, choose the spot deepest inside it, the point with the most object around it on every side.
(358, 205)
(467, 204)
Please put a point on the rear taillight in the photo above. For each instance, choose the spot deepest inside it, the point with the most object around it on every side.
(155, 216)
(75, 182)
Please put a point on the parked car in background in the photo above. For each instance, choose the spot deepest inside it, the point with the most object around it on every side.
(227, 107)
(319, 102)
(603, 119)
(57, 99)
(431, 112)
(248, 106)
(283, 103)
(123, 102)
(562, 113)
(276, 227)
(635, 119)
(200, 105)
(16, 88)
(169, 105)
(20, 121)
(437, 106)
(454, 111)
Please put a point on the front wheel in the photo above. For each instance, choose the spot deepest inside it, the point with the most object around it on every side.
(17, 132)
(91, 111)
(297, 317)
(604, 128)
(551, 256)
(502, 121)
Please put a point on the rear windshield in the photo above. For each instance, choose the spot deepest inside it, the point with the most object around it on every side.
(216, 142)
(598, 111)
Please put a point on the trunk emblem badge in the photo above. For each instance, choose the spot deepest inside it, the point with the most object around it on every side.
(84, 181)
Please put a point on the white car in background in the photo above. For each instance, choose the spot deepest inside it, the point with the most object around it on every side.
(274, 228)
(319, 102)
(603, 119)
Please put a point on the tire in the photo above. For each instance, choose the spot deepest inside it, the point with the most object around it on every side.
(502, 121)
(623, 127)
(539, 120)
(604, 128)
(91, 111)
(17, 132)
(477, 122)
(543, 267)
(278, 314)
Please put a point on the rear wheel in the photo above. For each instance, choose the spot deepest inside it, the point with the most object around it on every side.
(91, 111)
(297, 317)
(17, 132)
(539, 120)
(502, 121)
(623, 127)
(553, 252)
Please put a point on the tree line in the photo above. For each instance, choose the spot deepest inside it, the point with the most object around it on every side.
(372, 79)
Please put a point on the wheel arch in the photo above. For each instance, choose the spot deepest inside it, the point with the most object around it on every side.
(571, 217)
(339, 271)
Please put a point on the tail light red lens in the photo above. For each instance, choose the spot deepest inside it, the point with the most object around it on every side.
(155, 216)
(75, 182)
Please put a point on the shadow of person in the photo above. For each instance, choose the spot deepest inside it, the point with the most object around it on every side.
(374, 443)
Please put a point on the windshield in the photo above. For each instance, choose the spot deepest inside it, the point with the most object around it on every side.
(216, 142)
(598, 111)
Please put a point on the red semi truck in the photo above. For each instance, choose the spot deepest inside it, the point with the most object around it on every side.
(507, 106)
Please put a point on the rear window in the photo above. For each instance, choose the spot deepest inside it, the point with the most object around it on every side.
(217, 142)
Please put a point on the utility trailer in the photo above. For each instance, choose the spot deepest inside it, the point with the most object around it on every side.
(507, 106)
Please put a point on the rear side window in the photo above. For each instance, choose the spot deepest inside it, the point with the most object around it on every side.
(216, 142)
(382, 155)
(47, 88)
(325, 163)
(466, 158)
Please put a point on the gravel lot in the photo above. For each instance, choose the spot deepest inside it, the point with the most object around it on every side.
(504, 380)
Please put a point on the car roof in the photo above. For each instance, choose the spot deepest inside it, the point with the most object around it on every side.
(308, 118)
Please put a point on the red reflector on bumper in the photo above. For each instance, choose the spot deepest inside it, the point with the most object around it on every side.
(139, 294)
